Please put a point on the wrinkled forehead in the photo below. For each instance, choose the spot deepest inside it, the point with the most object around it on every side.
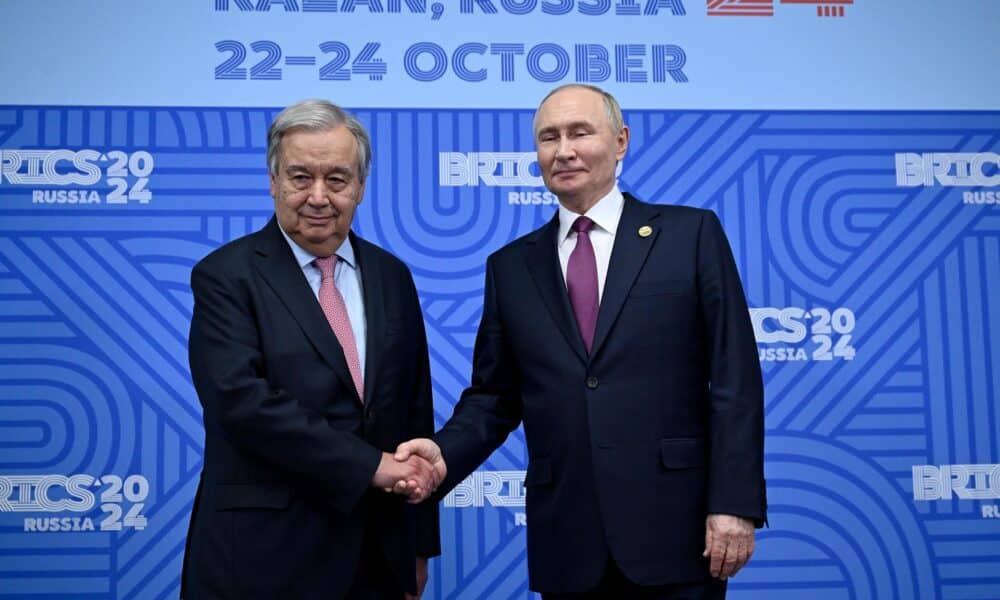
(334, 143)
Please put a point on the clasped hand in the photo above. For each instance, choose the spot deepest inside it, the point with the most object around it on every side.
(415, 470)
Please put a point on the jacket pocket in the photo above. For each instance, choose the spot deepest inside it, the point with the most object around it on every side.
(232, 496)
(683, 453)
(539, 472)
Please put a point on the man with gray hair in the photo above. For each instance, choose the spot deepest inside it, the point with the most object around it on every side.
(619, 335)
(309, 356)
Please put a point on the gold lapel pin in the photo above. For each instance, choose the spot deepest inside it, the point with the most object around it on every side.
(645, 231)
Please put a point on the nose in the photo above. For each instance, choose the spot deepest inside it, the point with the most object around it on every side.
(565, 150)
(317, 193)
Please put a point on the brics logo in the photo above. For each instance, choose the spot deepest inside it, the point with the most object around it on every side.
(964, 482)
(796, 334)
(949, 169)
(120, 500)
(488, 488)
(500, 489)
(765, 8)
(89, 172)
(492, 169)
(952, 169)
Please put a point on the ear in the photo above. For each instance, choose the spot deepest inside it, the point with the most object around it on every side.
(361, 192)
(274, 186)
(621, 142)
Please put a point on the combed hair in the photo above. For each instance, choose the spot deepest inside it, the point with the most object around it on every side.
(611, 107)
(317, 115)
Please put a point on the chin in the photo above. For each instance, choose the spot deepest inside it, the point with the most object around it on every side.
(566, 191)
(319, 237)
(318, 230)
(332, 237)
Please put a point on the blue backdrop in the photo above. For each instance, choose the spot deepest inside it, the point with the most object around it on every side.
(851, 149)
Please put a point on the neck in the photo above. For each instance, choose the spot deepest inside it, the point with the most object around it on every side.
(581, 203)
(326, 248)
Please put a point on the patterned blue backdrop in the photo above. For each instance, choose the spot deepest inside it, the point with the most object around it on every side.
(868, 239)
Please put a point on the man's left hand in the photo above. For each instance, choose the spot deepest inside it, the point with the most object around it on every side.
(729, 541)
(421, 579)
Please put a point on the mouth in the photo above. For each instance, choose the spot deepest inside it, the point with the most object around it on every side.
(317, 220)
(566, 172)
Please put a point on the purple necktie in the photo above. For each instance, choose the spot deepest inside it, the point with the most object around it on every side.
(581, 281)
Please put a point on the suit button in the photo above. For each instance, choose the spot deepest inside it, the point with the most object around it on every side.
(370, 417)
(592, 382)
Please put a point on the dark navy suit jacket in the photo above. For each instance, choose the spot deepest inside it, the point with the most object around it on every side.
(630, 447)
(284, 501)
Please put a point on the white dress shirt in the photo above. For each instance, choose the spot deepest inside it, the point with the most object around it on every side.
(605, 214)
(347, 277)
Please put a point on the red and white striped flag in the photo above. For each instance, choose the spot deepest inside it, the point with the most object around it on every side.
(740, 8)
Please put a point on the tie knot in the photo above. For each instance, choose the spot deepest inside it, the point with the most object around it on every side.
(583, 225)
(326, 265)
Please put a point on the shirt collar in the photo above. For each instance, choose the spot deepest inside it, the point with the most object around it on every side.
(345, 253)
(605, 214)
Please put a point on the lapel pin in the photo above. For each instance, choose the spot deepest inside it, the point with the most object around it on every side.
(645, 231)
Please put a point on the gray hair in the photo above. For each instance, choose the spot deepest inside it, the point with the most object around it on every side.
(317, 115)
(611, 107)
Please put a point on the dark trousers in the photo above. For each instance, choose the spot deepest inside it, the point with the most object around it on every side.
(614, 586)
(374, 579)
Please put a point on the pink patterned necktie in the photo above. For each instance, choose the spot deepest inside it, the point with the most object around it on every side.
(332, 302)
(581, 281)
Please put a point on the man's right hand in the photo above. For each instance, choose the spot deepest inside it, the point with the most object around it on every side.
(428, 451)
(412, 476)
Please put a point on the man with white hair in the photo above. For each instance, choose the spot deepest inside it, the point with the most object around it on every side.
(309, 356)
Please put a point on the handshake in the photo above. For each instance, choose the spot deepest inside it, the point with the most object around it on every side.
(415, 471)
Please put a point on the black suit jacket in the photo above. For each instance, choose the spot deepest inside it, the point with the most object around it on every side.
(284, 500)
(631, 446)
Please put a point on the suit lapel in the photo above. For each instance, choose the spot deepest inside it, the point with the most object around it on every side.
(277, 266)
(373, 288)
(627, 258)
(543, 263)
